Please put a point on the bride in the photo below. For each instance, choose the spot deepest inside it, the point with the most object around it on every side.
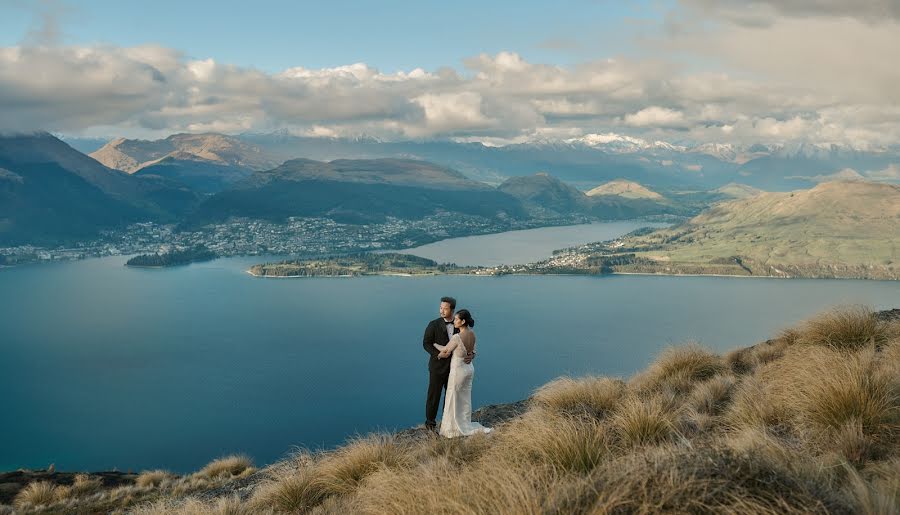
(457, 417)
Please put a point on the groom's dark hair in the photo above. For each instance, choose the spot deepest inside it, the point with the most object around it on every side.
(449, 300)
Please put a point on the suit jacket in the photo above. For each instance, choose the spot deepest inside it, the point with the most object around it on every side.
(436, 332)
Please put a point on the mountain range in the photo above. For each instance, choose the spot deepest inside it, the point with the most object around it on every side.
(583, 162)
(52, 192)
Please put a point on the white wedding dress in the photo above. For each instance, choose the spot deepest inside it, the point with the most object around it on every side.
(457, 417)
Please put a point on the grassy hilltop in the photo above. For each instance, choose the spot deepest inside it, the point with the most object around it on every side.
(835, 230)
(807, 422)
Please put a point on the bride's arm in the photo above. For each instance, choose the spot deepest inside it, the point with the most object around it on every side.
(447, 349)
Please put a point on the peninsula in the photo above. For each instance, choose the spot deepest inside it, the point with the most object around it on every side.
(357, 265)
(172, 258)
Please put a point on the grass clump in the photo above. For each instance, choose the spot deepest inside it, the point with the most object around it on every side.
(706, 480)
(337, 473)
(542, 438)
(37, 493)
(439, 487)
(848, 329)
(153, 478)
(84, 484)
(233, 465)
(643, 421)
(679, 368)
(590, 396)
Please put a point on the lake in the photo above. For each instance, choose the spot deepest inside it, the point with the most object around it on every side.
(520, 247)
(104, 366)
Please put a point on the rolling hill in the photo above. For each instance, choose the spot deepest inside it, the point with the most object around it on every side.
(51, 193)
(357, 191)
(836, 229)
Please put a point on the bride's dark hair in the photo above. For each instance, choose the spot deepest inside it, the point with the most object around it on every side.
(466, 317)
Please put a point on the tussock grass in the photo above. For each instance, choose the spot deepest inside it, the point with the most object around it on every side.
(337, 473)
(290, 493)
(343, 470)
(439, 487)
(233, 465)
(847, 328)
(753, 407)
(456, 450)
(640, 421)
(678, 368)
(38, 493)
(591, 396)
(706, 480)
(84, 484)
(224, 506)
(543, 438)
(713, 396)
(153, 478)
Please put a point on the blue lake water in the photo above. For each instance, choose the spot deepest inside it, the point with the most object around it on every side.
(519, 247)
(106, 367)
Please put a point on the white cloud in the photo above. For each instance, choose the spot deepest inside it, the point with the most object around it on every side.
(832, 80)
(655, 116)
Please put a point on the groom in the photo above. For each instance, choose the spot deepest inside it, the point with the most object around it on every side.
(439, 331)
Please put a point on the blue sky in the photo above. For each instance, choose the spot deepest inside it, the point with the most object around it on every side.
(390, 35)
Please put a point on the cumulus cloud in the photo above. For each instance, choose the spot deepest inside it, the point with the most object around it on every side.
(655, 116)
(790, 75)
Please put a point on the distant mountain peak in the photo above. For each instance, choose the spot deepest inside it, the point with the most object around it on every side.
(132, 155)
(624, 188)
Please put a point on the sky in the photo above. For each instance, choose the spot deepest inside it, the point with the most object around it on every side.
(689, 71)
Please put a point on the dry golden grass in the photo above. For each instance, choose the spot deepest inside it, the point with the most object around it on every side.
(640, 421)
(706, 480)
(223, 506)
(713, 396)
(592, 396)
(337, 473)
(439, 487)
(290, 493)
(153, 478)
(847, 328)
(542, 438)
(38, 493)
(233, 465)
(678, 368)
(84, 484)
(455, 450)
(752, 406)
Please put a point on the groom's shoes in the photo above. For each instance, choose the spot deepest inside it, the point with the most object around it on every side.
(432, 429)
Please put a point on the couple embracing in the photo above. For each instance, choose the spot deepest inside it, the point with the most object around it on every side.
(451, 342)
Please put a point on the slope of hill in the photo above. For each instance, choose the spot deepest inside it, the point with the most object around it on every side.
(132, 155)
(626, 189)
(545, 195)
(357, 191)
(804, 422)
(837, 229)
(200, 175)
(52, 193)
(738, 191)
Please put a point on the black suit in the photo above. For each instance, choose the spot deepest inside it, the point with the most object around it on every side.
(438, 369)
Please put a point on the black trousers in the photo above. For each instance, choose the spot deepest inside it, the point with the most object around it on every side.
(437, 382)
